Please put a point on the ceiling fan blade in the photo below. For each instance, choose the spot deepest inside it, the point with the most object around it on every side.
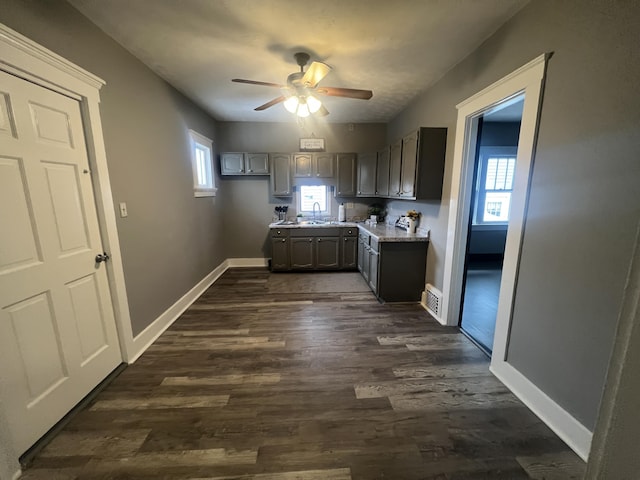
(322, 112)
(316, 72)
(273, 102)
(345, 92)
(254, 82)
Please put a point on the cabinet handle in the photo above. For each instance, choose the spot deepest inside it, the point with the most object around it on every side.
(346, 239)
(249, 170)
(359, 192)
(310, 240)
(278, 232)
(284, 240)
(319, 240)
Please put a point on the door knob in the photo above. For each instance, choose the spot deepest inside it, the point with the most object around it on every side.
(102, 257)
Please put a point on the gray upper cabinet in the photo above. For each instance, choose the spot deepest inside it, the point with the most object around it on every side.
(416, 165)
(281, 184)
(313, 165)
(382, 173)
(256, 163)
(367, 167)
(395, 168)
(409, 165)
(241, 163)
(346, 175)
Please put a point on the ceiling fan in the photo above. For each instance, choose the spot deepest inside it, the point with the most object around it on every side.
(299, 94)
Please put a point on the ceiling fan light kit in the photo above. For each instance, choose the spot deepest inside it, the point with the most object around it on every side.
(299, 93)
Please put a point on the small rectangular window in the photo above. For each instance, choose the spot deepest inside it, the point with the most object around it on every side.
(494, 185)
(314, 194)
(201, 162)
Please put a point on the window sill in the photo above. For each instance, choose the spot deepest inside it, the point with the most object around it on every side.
(205, 193)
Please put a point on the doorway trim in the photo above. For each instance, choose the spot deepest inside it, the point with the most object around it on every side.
(30, 61)
(527, 80)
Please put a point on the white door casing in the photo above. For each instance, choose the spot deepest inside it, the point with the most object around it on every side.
(58, 337)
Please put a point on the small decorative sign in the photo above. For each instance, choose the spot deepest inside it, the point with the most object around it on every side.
(312, 144)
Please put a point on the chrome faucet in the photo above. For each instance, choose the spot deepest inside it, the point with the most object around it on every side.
(313, 209)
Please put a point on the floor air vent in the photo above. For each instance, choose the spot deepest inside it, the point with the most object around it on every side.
(432, 301)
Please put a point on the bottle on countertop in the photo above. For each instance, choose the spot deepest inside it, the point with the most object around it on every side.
(342, 214)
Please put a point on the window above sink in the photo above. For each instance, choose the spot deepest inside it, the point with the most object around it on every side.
(310, 195)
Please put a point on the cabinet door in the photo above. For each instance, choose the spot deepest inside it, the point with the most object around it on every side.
(302, 253)
(279, 253)
(280, 174)
(374, 263)
(361, 251)
(302, 165)
(367, 163)
(350, 252)
(366, 261)
(327, 252)
(382, 173)
(395, 170)
(323, 165)
(232, 163)
(346, 177)
(256, 163)
(409, 165)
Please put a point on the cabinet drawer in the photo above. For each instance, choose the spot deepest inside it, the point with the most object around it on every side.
(315, 232)
(279, 232)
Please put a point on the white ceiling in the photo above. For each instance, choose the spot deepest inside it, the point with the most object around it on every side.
(395, 48)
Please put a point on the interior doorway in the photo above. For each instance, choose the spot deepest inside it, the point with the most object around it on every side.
(488, 219)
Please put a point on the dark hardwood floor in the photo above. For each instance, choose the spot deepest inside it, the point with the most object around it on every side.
(272, 380)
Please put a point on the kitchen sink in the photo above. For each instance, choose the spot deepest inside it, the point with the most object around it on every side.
(312, 222)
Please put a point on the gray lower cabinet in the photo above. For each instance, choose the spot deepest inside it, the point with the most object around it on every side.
(280, 250)
(327, 253)
(302, 253)
(314, 248)
(349, 248)
(395, 271)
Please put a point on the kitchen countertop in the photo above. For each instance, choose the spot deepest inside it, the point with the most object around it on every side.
(382, 232)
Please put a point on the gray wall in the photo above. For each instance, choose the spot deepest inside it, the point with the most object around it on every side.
(170, 240)
(248, 204)
(585, 200)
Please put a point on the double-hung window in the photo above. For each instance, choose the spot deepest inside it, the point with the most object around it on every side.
(314, 194)
(202, 165)
(494, 185)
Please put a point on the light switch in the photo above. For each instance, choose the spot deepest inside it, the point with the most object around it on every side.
(123, 209)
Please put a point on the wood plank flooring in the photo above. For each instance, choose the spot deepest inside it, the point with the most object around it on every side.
(305, 385)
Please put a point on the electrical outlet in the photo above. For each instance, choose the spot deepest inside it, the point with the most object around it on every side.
(349, 204)
(123, 209)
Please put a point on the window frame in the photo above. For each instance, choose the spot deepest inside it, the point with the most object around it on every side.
(481, 180)
(197, 142)
(326, 212)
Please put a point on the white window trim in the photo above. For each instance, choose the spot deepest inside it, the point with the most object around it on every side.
(325, 213)
(198, 190)
(485, 153)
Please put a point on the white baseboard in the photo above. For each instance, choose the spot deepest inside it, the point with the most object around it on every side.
(149, 335)
(247, 262)
(164, 321)
(570, 430)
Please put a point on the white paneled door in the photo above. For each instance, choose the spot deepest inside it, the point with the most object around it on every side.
(58, 336)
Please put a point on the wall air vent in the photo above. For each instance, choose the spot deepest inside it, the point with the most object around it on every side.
(432, 301)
